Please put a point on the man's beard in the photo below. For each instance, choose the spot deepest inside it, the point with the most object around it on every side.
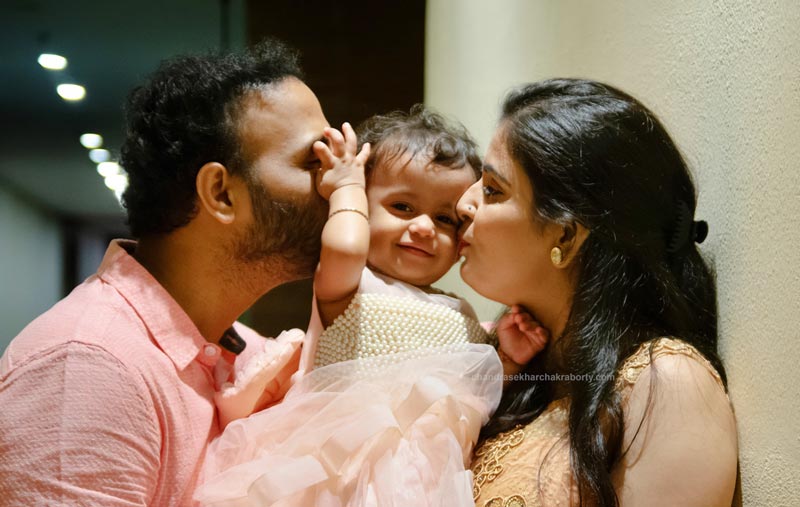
(285, 236)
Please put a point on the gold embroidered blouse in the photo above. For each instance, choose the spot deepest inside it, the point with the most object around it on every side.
(529, 465)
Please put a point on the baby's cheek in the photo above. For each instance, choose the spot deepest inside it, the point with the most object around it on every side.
(447, 237)
(447, 245)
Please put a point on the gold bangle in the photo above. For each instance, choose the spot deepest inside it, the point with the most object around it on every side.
(354, 210)
(360, 185)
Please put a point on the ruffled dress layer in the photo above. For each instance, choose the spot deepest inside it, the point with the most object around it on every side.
(401, 384)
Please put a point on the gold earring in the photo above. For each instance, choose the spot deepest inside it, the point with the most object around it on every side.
(556, 256)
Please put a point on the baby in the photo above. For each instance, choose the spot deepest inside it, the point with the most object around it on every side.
(396, 237)
(396, 378)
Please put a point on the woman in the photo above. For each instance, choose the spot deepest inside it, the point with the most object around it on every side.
(584, 217)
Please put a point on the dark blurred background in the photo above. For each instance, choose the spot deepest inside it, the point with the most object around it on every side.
(56, 213)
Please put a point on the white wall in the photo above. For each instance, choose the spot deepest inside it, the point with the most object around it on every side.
(30, 264)
(725, 79)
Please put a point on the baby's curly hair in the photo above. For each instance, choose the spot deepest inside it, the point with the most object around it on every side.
(420, 131)
(185, 116)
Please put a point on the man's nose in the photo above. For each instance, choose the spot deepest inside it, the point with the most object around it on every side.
(468, 203)
(422, 225)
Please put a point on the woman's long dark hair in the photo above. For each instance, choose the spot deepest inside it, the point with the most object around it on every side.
(596, 156)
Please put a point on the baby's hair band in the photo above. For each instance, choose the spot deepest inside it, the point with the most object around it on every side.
(354, 210)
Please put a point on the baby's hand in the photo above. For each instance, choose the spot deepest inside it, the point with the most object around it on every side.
(340, 166)
(520, 336)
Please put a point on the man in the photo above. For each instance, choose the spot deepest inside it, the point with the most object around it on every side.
(108, 398)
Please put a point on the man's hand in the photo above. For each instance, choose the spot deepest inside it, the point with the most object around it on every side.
(340, 165)
(520, 336)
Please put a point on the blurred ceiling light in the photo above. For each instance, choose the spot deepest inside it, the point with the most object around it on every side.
(71, 92)
(116, 182)
(98, 155)
(52, 62)
(109, 169)
(91, 141)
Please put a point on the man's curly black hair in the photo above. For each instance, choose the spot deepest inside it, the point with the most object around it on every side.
(183, 117)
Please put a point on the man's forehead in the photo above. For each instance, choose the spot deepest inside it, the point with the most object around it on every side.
(286, 111)
(275, 98)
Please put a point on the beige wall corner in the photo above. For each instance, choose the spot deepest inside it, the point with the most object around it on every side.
(725, 79)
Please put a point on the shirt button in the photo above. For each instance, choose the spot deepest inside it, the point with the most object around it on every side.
(210, 350)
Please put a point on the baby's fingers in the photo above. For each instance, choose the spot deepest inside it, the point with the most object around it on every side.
(525, 321)
(537, 334)
(363, 155)
(507, 321)
(350, 141)
(523, 317)
(326, 158)
(337, 143)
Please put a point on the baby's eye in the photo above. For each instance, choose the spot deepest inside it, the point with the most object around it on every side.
(490, 191)
(401, 206)
(446, 219)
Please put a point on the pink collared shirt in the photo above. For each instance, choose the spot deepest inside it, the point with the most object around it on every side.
(108, 397)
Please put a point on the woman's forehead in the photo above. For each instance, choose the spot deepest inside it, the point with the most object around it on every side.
(505, 169)
(499, 161)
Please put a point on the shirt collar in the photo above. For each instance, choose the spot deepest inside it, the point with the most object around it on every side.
(171, 328)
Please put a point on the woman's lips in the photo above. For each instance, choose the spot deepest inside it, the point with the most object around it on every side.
(415, 250)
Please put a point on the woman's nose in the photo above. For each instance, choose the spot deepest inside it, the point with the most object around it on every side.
(422, 225)
(468, 203)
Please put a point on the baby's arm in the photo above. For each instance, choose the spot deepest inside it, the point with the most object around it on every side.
(345, 237)
(520, 339)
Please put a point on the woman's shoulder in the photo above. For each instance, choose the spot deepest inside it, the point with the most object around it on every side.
(679, 428)
(668, 354)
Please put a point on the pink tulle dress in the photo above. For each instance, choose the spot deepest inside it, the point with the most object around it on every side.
(384, 411)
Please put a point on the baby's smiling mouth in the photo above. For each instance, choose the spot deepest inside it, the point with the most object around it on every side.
(415, 249)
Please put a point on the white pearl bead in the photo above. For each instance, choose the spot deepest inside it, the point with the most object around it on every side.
(375, 325)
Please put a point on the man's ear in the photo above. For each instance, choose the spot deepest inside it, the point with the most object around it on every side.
(572, 237)
(216, 192)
